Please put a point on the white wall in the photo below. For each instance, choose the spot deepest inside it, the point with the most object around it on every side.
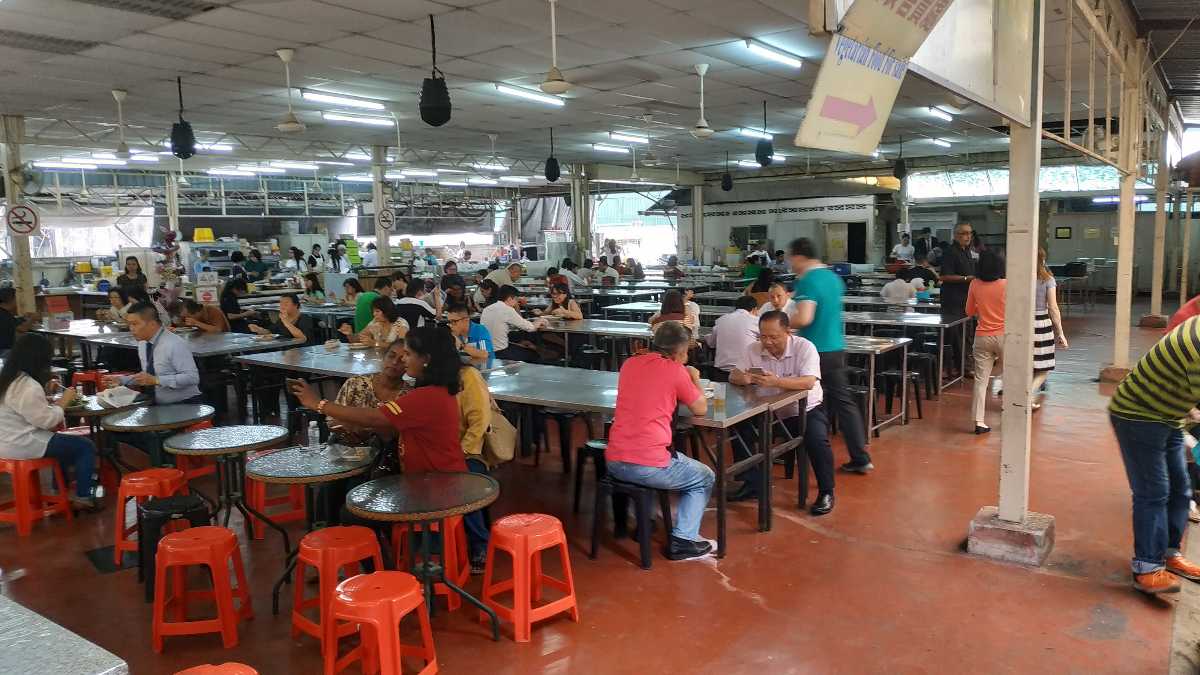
(788, 219)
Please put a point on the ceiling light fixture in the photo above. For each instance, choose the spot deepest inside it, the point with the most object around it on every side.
(531, 95)
(64, 165)
(488, 167)
(301, 166)
(148, 158)
(355, 178)
(774, 54)
(1117, 200)
(452, 171)
(451, 183)
(555, 83)
(290, 124)
(253, 168)
(358, 119)
(339, 99)
(940, 142)
(514, 179)
(333, 163)
(419, 172)
(604, 147)
(482, 181)
(701, 131)
(628, 138)
(358, 156)
(940, 114)
(230, 172)
(755, 133)
(394, 175)
(100, 161)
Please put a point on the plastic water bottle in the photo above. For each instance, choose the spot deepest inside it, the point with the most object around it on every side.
(314, 437)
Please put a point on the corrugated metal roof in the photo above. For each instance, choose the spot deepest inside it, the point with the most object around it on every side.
(1161, 21)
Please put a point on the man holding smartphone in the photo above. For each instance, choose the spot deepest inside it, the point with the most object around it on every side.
(783, 360)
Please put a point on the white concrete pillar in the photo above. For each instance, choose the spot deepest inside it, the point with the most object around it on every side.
(902, 195)
(698, 223)
(1128, 153)
(581, 215)
(172, 190)
(382, 236)
(1161, 183)
(1187, 246)
(14, 135)
(1176, 237)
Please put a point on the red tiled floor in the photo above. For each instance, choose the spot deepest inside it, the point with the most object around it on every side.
(880, 585)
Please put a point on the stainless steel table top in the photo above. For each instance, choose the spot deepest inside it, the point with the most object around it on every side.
(718, 296)
(868, 301)
(316, 360)
(863, 344)
(83, 328)
(629, 329)
(617, 292)
(595, 391)
(652, 307)
(900, 319)
(208, 344)
(31, 644)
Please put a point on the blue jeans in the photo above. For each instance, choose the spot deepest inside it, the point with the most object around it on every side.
(477, 531)
(1156, 464)
(76, 451)
(693, 480)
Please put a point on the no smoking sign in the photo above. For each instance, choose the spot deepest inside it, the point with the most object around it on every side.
(386, 219)
(22, 220)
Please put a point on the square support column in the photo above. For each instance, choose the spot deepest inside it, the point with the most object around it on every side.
(382, 235)
(697, 246)
(14, 136)
(581, 216)
(1156, 318)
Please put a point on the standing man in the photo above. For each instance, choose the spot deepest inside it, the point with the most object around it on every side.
(925, 243)
(904, 250)
(1148, 412)
(957, 273)
(818, 293)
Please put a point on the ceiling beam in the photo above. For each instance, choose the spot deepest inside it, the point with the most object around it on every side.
(1183, 93)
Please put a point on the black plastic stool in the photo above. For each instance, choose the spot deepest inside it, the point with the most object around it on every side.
(643, 506)
(891, 381)
(565, 420)
(593, 450)
(926, 365)
(593, 358)
(152, 518)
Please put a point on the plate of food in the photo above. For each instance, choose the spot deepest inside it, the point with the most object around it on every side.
(266, 337)
(361, 345)
(185, 329)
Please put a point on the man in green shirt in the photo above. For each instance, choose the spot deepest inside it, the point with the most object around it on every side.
(1148, 412)
(256, 269)
(363, 314)
(818, 293)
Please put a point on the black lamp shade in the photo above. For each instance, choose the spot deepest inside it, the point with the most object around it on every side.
(567, 198)
(552, 170)
(183, 140)
(900, 170)
(763, 151)
(435, 101)
(727, 182)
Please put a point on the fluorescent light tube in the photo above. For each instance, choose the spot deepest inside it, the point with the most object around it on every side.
(489, 167)
(451, 183)
(940, 142)
(358, 119)
(774, 54)
(336, 99)
(63, 165)
(755, 133)
(531, 95)
(301, 166)
(230, 172)
(941, 114)
(628, 138)
(94, 160)
(603, 147)
(482, 181)
(419, 172)
(514, 179)
(355, 178)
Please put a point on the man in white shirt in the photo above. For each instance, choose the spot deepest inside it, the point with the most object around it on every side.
(370, 258)
(898, 290)
(783, 360)
(605, 272)
(904, 250)
(732, 334)
(569, 270)
(778, 299)
(500, 317)
(506, 276)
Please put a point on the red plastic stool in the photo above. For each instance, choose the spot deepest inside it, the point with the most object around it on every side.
(214, 547)
(457, 561)
(329, 551)
(257, 499)
(223, 669)
(140, 486)
(194, 466)
(524, 536)
(377, 603)
(88, 377)
(28, 503)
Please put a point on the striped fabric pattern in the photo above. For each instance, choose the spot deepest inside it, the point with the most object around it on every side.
(1043, 343)
(1165, 383)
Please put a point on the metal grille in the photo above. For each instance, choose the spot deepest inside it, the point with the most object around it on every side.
(167, 9)
(43, 43)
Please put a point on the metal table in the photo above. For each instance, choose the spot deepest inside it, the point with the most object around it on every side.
(646, 309)
(872, 347)
(426, 499)
(342, 362)
(592, 391)
(228, 446)
(31, 644)
(719, 297)
(156, 419)
(914, 320)
(80, 330)
(204, 345)
(869, 303)
(313, 470)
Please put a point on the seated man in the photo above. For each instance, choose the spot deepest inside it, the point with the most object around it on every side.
(501, 317)
(206, 318)
(898, 290)
(10, 323)
(785, 361)
(291, 323)
(473, 340)
(731, 335)
(650, 388)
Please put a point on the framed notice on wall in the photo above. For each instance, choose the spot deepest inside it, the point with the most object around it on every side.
(1062, 233)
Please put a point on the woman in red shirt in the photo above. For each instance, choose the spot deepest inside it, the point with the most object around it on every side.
(985, 300)
(426, 416)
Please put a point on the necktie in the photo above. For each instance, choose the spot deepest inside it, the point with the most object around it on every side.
(149, 357)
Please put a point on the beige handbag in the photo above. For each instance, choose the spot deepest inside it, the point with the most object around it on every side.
(500, 441)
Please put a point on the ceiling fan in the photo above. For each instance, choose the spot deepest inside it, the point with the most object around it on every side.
(290, 123)
(122, 149)
(554, 84)
(701, 131)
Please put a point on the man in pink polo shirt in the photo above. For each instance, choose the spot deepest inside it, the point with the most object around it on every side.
(783, 360)
(649, 391)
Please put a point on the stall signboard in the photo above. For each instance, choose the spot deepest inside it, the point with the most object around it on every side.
(207, 295)
(207, 279)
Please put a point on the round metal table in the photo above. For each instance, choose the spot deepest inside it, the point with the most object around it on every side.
(426, 499)
(91, 413)
(152, 420)
(313, 470)
(228, 446)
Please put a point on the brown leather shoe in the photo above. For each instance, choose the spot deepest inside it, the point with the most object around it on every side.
(1182, 567)
(1158, 581)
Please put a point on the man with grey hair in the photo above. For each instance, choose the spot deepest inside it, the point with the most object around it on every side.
(650, 388)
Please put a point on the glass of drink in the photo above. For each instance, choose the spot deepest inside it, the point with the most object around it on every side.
(719, 395)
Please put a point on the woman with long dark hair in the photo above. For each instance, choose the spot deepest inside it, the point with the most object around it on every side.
(27, 422)
(1047, 328)
(132, 277)
(385, 327)
(760, 288)
(296, 263)
(672, 309)
(562, 305)
(350, 290)
(235, 288)
(485, 293)
(426, 417)
(313, 292)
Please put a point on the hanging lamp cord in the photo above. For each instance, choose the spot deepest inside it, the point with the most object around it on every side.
(179, 84)
(433, 47)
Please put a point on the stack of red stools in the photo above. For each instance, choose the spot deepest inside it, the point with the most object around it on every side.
(140, 486)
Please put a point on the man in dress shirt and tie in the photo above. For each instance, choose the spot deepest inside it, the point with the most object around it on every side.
(169, 373)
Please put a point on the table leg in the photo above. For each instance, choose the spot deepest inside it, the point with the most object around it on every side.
(722, 504)
(764, 493)
(904, 384)
(871, 395)
(237, 481)
(311, 506)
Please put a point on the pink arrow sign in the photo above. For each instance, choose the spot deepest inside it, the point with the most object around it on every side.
(861, 115)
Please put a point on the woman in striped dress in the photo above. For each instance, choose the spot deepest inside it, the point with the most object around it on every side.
(1047, 327)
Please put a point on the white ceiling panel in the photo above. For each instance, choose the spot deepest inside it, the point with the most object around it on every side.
(688, 31)
(536, 16)
(155, 45)
(211, 37)
(282, 32)
(404, 10)
(376, 49)
(182, 66)
(685, 60)
(638, 12)
(82, 12)
(59, 27)
(625, 39)
(315, 12)
(571, 53)
(463, 33)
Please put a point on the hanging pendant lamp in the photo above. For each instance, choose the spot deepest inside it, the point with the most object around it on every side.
(726, 178)
(552, 168)
(435, 97)
(183, 139)
(764, 149)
